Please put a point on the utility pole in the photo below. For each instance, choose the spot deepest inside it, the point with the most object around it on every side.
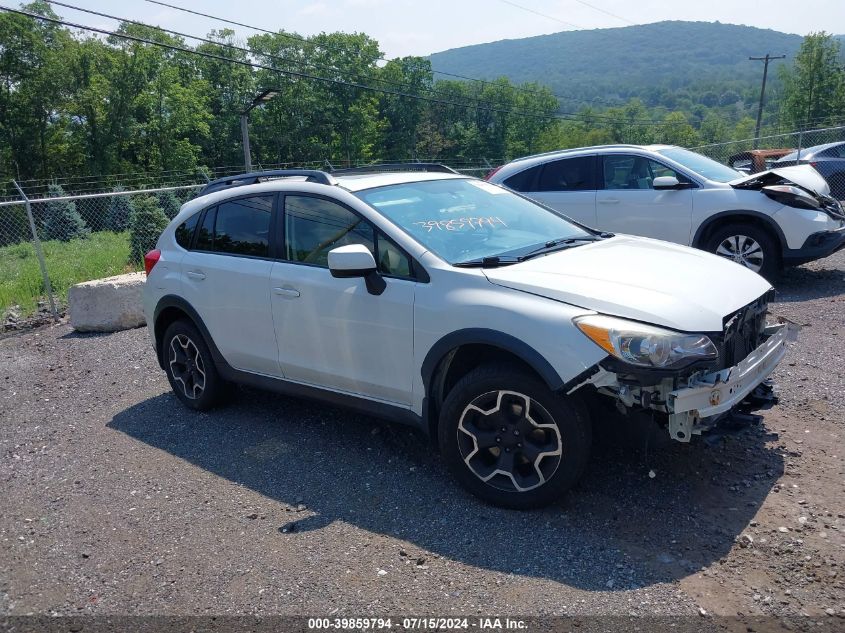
(765, 59)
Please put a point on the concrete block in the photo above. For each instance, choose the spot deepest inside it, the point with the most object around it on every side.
(107, 305)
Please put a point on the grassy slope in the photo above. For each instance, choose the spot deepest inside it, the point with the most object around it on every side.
(101, 255)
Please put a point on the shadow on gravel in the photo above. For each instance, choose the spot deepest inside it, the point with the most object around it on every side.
(803, 284)
(73, 334)
(620, 529)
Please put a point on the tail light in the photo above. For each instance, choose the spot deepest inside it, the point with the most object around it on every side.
(150, 260)
(492, 172)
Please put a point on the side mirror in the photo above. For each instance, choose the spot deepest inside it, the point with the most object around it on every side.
(356, 260)
(665, 182)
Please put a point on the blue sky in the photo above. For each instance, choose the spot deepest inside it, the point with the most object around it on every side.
(421, 27)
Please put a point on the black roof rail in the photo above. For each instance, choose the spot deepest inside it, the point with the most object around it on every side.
(388, 167)
(239, 180)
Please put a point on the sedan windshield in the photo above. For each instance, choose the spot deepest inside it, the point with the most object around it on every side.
(462, 220)
(701, 165)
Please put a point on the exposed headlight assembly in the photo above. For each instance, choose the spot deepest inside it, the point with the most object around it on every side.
(792, 196)
(645, 345)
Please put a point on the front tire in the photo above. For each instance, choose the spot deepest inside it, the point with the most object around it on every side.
(748, 246)
(190, 367)
(511, 441)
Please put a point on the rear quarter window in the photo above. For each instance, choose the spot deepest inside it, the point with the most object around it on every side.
(524, 180)
(185, 231)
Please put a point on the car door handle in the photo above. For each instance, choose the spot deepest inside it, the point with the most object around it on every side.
(195, 274)
(286, 291)
(608, 200)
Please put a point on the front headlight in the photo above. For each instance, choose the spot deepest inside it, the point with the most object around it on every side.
(645, 345)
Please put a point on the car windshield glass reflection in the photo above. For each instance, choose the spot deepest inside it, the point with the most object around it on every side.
(464, 219)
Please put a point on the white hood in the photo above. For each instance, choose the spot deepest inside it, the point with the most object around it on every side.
(802, 175)
(647, 280)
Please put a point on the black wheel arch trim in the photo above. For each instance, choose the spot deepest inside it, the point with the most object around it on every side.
(737, 215)
(173, 301)
(494, 338)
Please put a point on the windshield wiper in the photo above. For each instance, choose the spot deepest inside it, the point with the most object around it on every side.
(561, 243)
(488, 262)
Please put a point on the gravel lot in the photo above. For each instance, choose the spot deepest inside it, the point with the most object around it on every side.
(117, 500)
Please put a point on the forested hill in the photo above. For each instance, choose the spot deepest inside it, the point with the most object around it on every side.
(650, 61)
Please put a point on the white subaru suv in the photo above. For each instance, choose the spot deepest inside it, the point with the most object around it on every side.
(782, 216)
(468, 311)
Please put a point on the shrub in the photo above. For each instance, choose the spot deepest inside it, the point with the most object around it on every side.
(146, 224)
(119, 213)
(61, 219)
(169, 204)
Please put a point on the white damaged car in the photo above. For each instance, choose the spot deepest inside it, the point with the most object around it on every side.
(470, 312)
(781, 217)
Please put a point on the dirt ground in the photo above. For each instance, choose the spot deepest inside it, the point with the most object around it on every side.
(116, 500)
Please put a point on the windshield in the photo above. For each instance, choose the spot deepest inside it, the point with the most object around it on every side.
(462, 220)
(701, 165)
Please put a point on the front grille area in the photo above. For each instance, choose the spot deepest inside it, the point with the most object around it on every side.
(832, 207)
(742, 331)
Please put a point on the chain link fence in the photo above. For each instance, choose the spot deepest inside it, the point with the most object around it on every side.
(49, 243)
(824, 149)
(60, 232)
(56, 233)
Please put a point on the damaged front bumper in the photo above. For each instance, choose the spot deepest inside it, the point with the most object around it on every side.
(708, 395)
(695, 402)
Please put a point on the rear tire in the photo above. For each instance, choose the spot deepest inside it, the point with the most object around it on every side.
(190, 367)
(749, 246)
(510, 440)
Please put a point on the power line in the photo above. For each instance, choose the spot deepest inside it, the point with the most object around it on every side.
(299, 75)
(233, 46)
(542, 15)
(479, 104)
(380, 58)
(298, 38)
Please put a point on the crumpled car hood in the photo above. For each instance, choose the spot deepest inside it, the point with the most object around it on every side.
(637, 278)
(804, 176)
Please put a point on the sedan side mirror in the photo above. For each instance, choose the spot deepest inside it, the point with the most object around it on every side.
(356, 260)
(665, 182)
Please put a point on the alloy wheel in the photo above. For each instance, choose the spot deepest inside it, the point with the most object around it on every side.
(186, 366)
(509, 441)
(742, 250)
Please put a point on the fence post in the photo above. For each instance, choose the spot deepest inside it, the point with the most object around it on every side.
(800, 138)
(38, 252)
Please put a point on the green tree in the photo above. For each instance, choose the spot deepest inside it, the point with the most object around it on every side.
(403, 115)
(119, 213)
(169, 203)
(61, 219)
(146, 224)
(813, 87)
(34, 89)
(230, 88)
(677, 131)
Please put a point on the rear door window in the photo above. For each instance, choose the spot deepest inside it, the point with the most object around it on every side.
(205, 237)
(569, 174)
(237, 227)
(243, 226)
